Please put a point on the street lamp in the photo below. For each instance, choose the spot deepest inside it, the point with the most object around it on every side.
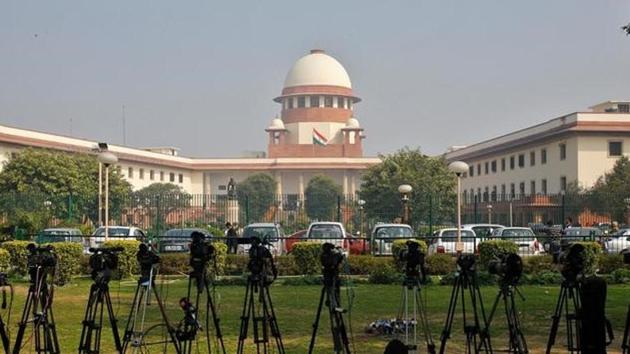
(459, 168)
(361, 203)
(404, 190)
(107, 159)
(489, 213)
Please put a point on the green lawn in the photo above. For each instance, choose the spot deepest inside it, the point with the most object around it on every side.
(295, 307)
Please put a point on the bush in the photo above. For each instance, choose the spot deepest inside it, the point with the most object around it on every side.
(174, 263)
(5, 260)
(542, 278)
(364, 265)
(538, 264)
(18, 256)
(386, 274)
(127, 263)
(621, 276)
(306, 256)
(286, 265)
(220, 249)
(440, 264)
(489, 250)
(399, 245)
(68, 260)
(608, 263)
(593, 250)
(235, 264)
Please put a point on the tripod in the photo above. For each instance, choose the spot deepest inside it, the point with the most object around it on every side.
(411, 284)
(330, 294)
(4, 336)
(569, 295)
(260, 310)
(466, 278)
(99, 299)
(135, 333)
(188, 328)
(625, 344)
(39, 304)
(517, 342)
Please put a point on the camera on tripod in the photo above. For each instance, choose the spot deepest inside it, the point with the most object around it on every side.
(147, 258)
(331, 258)
(104, 261)
(413, 260)
(467, 263)
(261, 261)
(40, 258)
(508, 267)
(626, 256)
(201, 252)
(573, 262)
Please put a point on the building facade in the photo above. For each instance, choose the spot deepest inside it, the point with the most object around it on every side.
(544, 159)
(315, 133)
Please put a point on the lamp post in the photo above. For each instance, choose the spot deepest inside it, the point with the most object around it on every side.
(489, 213)
(106, 159)
(361, 203)
(459, 168)
(404, 190)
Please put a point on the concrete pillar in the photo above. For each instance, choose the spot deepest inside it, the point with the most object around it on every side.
(301, 186)
(345, 183)
(279, 190)
(353, 183)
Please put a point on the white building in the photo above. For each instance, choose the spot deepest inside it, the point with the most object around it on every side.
(542, 159)
(315, 133)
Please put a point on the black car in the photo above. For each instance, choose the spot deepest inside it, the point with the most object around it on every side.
(178, 240)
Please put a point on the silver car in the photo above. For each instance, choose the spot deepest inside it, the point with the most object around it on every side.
(384, 235)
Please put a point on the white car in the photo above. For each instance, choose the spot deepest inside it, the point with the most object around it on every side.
(482, 230)
(269, 232)
(524, 237)
(445, 241)
(618, 242)
(384, 235)
(328, 232)
(115, 233)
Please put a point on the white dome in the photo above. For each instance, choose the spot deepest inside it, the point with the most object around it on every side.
(352, 123)
(317, 68)
(276, 124)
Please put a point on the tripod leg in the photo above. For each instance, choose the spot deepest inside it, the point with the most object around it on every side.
(316, 323)
(339, 320)
(24, 321)
(477, 304)
(131, 319)
(517, 339)
(112, 321)
(50, 327)
(4, 336)
(273, 322)
(446, 332)
(87, 321)
(245, 317)
(556, 319)
(422, 313)
(215, 318)
(625, 345)
(169, 328)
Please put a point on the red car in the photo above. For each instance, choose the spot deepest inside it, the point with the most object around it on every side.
(347, 242)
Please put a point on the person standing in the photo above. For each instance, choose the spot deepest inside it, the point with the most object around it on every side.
(230, 236)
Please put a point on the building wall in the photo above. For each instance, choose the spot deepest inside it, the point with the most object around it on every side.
(594, 159)
(302, 133)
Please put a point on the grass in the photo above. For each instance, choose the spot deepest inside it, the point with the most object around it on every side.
(295, 307)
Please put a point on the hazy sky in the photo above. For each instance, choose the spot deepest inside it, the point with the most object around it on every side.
(201, 75)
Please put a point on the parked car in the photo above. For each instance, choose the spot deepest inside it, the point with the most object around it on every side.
(60, 235)
(384, 235)
(293, 239)
(115, 233)
(482, 230)
(178, 240)
(524, 238)
(270, 232)
(445, 241)
(618, 242)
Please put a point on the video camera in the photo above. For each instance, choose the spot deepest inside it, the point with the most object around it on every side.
(40, 261)
(103, 262)
(201, 252)
(626, 256)
(147, 258)
(466, 263)
(413, 260)
(508, 266)
(261, 261)
(573, 262)
(331, 259)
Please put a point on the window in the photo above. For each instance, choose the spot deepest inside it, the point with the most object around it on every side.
(171, 177)
(478, 193)
(532, 187)
(502, 164)
(512, 190)
(314, 101)
(543, 186)
(465, 196)
(478, 169)
(328, 101)
(563, 151)
(493, 166)
(563, 183)
(341, 102)
(521, 160)
(623, 108)
(511, 162)
(494, 193)
(151, 175)
(486, 167)
(532, 158)
(301, 102)
(181, 178)
(521, 188)
(615, 148)
(502, 191)
(543, 156)
(290, 102)
(130, 172)
(161, 176)
(349, 104)
(471, 171)
(141, 173)
(222, 187)
(486, 193)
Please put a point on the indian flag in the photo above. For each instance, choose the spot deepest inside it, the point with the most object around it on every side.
(319, 138)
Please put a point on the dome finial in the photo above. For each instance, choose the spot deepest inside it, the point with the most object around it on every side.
(316, 51)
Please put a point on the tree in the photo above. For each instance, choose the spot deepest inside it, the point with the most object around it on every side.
(611, 190)
(256, 193)
(322, 195)
(161, 199)
(63, 179)
(626, 29)
(433, 195)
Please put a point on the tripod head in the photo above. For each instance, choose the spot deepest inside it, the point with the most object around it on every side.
(331, 259)
(261, 265)
(201, 252)
(147, 258)
(466, 264)
(573, 263)
(508, 267)
(41, 261)
(413, 260)
(104, 261)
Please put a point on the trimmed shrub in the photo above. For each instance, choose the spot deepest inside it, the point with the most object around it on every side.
(18, 256)
(286, 265)
(440, 264)
(608, 263)
(68, 260)
(387, 274)
(306, 256)
(5, 260)
(489, 250)
(220, 258)
(364, 265)
(235, 264)
(174, 263)
(538, 264)
(399, 245)
(127, 263)
(621, 276)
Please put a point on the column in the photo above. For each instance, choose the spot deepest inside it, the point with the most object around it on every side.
(353, 184)
(345, 183)
(279, 191)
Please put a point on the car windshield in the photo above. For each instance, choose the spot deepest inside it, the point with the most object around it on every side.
(517, 232)
(583, 232)
(482, 230)
(268, 232)
(393, 232)
(451, 236)
(326, 231)
(55, 232)
(113, 231)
